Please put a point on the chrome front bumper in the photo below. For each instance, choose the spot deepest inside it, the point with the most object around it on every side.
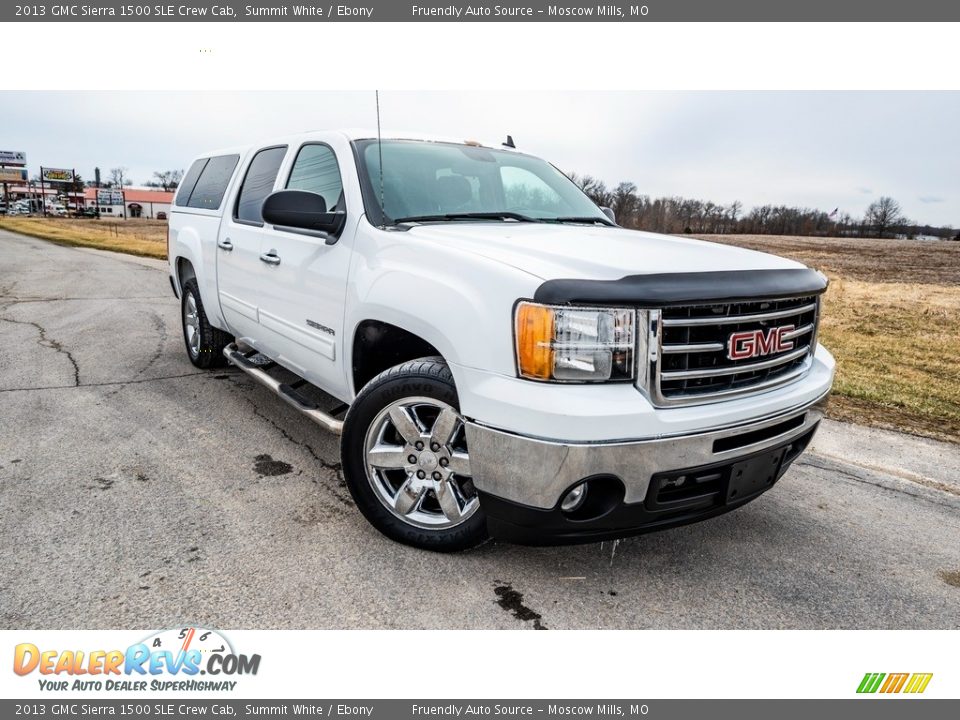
(537, 473)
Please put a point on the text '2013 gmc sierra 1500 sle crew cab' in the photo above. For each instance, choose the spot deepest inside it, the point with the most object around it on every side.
(510, 362)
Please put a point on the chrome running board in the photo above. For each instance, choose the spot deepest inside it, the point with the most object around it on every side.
(286, 393)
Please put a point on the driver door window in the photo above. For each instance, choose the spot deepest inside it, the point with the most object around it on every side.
(257, 184)
(316, 170)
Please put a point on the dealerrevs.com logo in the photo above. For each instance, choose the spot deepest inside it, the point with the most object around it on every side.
(910, 683)
(167, 660)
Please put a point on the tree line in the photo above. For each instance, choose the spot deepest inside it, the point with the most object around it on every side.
(678, 215)
(167, 180)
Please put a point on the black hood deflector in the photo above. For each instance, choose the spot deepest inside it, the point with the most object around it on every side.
(670, 289)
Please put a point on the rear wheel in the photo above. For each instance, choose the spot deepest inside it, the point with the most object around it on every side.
(204, 342)
(406, 461)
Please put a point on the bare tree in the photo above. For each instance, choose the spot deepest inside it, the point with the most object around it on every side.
(624, 203)
(167, 179)
(118, 177)
(736, 207)
(733, 212)
(884, 214)
(595, 189)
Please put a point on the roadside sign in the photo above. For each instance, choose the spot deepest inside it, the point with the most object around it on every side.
(56, 175)
(12, 175)
(13, 157)
(107, 196)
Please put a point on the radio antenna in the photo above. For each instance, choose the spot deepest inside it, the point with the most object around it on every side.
(383, 210)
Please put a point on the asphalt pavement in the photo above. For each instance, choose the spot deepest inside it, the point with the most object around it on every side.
(139, 492)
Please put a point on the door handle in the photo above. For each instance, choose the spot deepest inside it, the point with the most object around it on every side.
(270, 258)
(225, 245)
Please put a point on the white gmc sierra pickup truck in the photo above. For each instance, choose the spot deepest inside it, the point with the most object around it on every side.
(510, 362)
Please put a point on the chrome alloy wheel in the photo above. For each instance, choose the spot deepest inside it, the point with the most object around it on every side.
(417, 463)
(191, 324)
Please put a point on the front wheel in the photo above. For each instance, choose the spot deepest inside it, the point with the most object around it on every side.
(406, 462)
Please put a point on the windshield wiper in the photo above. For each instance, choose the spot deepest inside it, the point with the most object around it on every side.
(506, 215)
(586, 220)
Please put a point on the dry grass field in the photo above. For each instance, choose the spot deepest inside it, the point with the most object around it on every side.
(892, 319)
(134, 236)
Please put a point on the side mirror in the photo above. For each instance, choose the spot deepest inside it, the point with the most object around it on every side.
(609, 213)
(303, 212)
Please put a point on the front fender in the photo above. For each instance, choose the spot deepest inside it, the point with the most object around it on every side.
(466, 314)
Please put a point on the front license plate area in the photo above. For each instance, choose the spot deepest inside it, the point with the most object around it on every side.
(754, 475)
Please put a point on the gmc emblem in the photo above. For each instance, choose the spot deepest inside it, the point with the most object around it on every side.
(755, 343)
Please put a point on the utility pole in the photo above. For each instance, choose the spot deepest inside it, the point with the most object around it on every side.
(96, 180)
(123, 196)
(43, 194)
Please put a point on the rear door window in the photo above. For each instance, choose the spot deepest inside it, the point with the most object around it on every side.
(258, 183)
(190, 181)
(208, 192)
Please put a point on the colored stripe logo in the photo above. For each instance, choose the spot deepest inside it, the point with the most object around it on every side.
(912, 683)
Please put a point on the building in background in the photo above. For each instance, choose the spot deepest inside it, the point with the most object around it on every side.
(139, 203)
(32, 192)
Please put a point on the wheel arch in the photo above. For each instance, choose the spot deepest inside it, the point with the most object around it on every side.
(185, 272)
(192, 256)
(377, 345)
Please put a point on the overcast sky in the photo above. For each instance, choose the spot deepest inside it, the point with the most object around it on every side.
(824, 150)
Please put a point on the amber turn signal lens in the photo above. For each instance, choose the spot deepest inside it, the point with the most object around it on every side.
(534, 338)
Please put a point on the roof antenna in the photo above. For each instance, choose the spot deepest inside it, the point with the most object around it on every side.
(383, 210)
(509, 142)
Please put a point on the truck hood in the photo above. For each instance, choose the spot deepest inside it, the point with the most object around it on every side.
(599, 253)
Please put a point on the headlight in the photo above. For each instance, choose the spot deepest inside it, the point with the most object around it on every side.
(575, 344)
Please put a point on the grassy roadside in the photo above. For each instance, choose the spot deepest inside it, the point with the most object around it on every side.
(892, 320)
(147, 238)
(898, 355)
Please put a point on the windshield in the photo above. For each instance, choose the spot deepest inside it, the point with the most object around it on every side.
(424, 181)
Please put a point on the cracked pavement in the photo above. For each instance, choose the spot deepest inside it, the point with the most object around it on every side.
(139, 492)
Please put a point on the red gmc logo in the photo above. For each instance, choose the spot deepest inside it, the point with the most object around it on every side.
(754, 343)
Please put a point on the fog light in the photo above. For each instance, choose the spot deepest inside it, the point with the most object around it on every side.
(574, 499)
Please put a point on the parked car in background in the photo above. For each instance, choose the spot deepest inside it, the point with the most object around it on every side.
(161, 216)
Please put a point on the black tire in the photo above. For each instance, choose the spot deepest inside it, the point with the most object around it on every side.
(208, 352)
(426, 377)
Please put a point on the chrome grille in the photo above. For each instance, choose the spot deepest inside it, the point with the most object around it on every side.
(689, 348)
